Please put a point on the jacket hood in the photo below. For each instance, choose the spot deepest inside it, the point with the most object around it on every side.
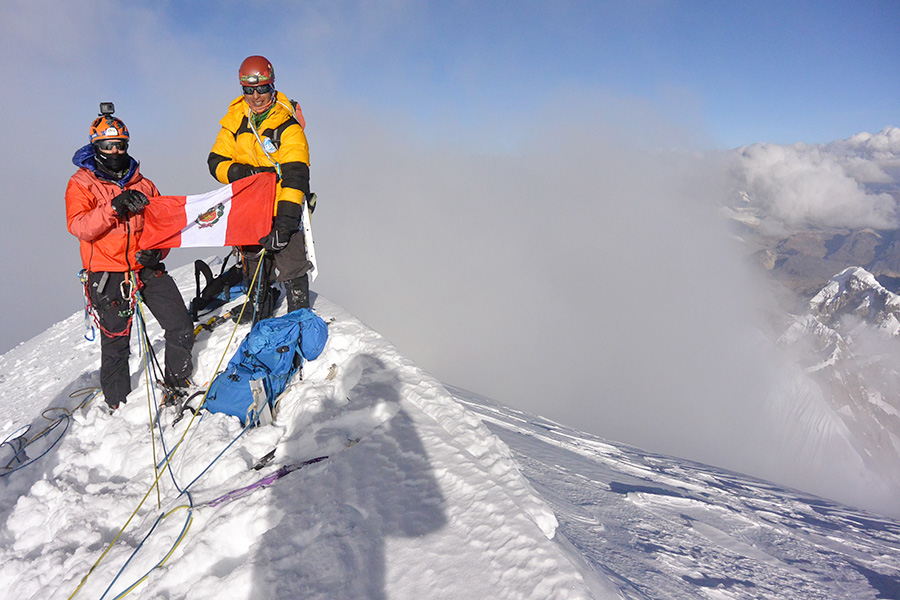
(238, 109)
(84, 159)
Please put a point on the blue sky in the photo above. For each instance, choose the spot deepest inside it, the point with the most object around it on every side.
(746, 72)
(482, 168)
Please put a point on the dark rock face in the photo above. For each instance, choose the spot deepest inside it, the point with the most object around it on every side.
(806, 261)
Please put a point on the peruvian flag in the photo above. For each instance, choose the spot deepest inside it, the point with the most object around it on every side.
(236, 215)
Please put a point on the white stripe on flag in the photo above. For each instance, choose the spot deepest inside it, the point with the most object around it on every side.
(207, 218)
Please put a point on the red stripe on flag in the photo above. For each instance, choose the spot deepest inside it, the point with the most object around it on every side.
(252, 208)
(164, 219)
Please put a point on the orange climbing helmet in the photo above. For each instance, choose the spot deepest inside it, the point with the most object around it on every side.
(107, 127)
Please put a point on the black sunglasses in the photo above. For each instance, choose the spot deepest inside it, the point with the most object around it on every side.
(108, 144)
(265, 88)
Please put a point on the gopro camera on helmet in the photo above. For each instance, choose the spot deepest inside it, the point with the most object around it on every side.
(107, 108)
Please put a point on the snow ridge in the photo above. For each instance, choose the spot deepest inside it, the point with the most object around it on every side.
(427, 491)
(412, 477)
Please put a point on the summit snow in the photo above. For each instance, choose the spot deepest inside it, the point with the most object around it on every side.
(427, 491)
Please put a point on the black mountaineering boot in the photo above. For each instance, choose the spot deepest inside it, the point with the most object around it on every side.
(262, 297)
(249, 309)
(260, 305)
(297, 293)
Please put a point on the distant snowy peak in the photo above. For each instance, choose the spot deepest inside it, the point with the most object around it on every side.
(855, 291)
(852, 303)
(847, 345)
(852, 299)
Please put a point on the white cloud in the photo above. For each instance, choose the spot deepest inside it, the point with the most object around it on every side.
(582, 275)
(882, 147)
(823, 185)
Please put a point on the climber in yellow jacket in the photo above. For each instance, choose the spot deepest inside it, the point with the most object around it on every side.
(263, 131)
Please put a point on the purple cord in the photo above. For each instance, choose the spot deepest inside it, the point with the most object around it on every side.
(265, 481)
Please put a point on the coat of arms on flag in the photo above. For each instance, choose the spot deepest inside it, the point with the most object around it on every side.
(211, 217)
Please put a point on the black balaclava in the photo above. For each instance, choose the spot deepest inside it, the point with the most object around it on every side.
(113, 164)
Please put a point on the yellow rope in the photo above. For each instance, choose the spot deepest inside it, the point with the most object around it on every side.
(168, 459)
(181, 537)
(145, 346)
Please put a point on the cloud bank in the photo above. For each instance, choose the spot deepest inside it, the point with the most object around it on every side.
(582, 274)
(832, 185)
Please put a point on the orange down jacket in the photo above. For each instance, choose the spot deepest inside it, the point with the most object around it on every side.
(108, 243)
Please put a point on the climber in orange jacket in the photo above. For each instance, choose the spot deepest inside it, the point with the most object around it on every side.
(105, 200)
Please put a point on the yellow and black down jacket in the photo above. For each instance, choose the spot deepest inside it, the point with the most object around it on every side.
(237, 150)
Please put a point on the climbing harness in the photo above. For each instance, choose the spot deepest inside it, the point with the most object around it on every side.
(128, 289)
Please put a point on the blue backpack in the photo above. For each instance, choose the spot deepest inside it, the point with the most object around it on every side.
(263, 365)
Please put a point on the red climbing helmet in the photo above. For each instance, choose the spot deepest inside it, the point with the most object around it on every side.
(256, 70)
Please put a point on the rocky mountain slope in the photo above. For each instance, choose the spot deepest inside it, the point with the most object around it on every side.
(821, 226)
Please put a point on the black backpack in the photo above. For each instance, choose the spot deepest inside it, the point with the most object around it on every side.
(217, 290)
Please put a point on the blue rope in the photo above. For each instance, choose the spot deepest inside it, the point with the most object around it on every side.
(178, 540)
(65, 417)
(148, 352)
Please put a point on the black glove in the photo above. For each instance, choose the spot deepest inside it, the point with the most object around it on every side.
(240, 170)
(282, 230)
(150, 259)
(311, 202)
(129, 202)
